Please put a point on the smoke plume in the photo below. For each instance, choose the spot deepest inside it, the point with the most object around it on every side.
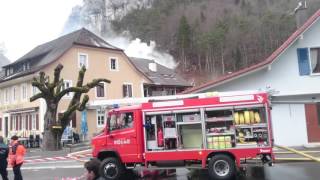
(96, 16)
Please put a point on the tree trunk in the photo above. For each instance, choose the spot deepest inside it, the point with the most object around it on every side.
(222, 60)
(51, 138)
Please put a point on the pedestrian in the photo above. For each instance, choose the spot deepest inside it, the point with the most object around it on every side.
(92, 168)
(17, 153)
(4, 151)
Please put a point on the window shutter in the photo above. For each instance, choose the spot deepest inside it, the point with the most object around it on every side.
(17, 123)
(20, 122)
(30, 122)
(124, 90)
(0, 124)
(303, 61)
(26, 121)
(11, 123)
(130, 90)
(37, 121)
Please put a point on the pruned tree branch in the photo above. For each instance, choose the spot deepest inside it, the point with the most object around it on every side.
(57, 72)
(52, 92)
(59, 86)
(95, 82)
(36, 96)
(40, 86)
(82, 106)
(72, 89)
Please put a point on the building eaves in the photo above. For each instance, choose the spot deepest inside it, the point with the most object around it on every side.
(163, 76)
(49, 52)
(262, 64)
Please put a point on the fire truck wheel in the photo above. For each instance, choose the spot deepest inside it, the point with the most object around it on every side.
(111, 168)
(221, 167)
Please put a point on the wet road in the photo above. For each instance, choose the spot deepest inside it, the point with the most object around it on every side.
(74, 169)
(287, 171)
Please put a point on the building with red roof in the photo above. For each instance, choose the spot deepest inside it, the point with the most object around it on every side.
(291, 73)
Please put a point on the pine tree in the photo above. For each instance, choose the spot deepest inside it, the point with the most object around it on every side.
(183, 40)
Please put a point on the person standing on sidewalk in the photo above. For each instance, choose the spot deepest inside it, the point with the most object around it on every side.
(4, 151)
(17, 152)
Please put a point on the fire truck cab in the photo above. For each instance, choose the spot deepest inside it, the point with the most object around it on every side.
(220, 132)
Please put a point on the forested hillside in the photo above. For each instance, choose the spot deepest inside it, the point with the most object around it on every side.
(209, 38)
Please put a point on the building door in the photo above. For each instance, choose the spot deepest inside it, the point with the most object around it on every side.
(313, 122)
(6, 126)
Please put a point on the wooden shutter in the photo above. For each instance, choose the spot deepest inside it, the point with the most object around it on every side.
(124, 87)
(11, 123)
(130, 90)
(26, 121)
(17, 122)
(37, 121)
(303, 61)
(30, 122)
(20, 122)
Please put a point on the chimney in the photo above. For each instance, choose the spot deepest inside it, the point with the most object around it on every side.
(153, 67)
(301, 13)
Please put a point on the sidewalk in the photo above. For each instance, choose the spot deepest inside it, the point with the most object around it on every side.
(33, 152)
(284, 155)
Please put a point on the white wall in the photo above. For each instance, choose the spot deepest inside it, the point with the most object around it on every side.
(284, 73)
(289, 127)
(289, 122)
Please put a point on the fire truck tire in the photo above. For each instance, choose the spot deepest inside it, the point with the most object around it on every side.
(221, 167)
(111, 168)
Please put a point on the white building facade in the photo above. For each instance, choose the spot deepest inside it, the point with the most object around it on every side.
(292, 74)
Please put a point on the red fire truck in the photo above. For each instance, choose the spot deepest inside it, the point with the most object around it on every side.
(221, 132)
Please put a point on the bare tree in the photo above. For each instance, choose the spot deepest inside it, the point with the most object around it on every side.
(52, 92)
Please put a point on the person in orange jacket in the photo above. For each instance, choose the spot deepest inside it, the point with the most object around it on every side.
(17, 152)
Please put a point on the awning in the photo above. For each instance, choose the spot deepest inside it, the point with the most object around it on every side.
(23, 110)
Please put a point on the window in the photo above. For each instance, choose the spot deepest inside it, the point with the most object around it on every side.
(100, 90)
(83, 60)
(67, 84)
(6, 96)
(14, 94)
(121, 121)
(127, 90)
(112, 122)
(303, 61)
(315, 60)
(33, 121)
(24, 92)
(100, 117)
(114, 64)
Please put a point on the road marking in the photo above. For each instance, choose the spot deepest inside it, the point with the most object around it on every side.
(53, 162)
(31, 157)
(50, 167)
(56, 158)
